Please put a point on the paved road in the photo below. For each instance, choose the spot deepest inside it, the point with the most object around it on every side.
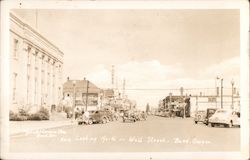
(156, 134)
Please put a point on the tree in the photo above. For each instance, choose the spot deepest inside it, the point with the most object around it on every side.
(147, 108)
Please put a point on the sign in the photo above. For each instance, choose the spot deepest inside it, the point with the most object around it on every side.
(211, 99)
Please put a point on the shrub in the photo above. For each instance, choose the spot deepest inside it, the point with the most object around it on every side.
(42, 114)
(23, 112)
(22, 115)
(35, 116)
(17, 117)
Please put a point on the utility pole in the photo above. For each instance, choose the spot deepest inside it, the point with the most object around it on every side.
(123, 88)
(74, 100)
(87, 92)
(232, 82)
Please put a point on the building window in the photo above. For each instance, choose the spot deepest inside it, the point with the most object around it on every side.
(15, 52)
(14, 87)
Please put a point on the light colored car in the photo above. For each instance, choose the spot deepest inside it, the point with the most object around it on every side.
(226, 117)
(200, 116)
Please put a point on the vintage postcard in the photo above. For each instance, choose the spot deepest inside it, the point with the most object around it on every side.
(125, 79)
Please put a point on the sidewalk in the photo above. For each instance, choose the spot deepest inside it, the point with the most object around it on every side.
(21, 127)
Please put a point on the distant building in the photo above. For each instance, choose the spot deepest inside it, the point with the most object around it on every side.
(83, 91)
(204, 102)
(35, 66)
(201, 101)
(176, 103)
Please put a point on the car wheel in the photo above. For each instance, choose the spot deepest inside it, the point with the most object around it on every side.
(195, 122)
(90, 121)
(212, 124)
(79, 123)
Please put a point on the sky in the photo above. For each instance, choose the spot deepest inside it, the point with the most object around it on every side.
(150, 49)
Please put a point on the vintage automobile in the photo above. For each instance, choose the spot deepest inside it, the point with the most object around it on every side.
(209, 113)
(200, 116)
(94, 117)
(226, 117)
(128, 116)
(165, 114)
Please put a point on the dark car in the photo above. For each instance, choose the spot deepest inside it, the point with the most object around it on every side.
(209, 113)
(129, 116)
(94, 117)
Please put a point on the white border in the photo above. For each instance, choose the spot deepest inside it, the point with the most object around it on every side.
(202, 4)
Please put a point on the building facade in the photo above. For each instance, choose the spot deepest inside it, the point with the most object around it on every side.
(35, 66)
(83, 92)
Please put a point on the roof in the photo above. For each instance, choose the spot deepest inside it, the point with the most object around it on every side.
(80, 86)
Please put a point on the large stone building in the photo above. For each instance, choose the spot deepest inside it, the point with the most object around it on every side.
(35, 68)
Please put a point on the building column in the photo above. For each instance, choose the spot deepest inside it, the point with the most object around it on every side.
(49, 82)
(56, 98)
(39, 78)
(32, 76)
(53, 82)
(45, 87)
(22, 76)
(59, 81)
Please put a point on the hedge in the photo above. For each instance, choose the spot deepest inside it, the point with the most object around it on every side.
(22, 115)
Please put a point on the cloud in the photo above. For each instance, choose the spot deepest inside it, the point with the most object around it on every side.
(228, 69)
(150, 81)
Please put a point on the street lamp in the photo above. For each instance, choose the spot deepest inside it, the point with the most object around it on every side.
(232, 82)
(216, 91)
(221, 92)
(74, 99)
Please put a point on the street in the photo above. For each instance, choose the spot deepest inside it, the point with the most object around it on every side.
(156, 134)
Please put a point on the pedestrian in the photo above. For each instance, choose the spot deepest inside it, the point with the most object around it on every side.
(68, 106)
(77, 112)
(86, 117)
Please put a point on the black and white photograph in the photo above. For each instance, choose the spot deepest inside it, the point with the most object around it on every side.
(135, 80)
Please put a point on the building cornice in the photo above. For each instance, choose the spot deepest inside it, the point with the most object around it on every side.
(34, 32)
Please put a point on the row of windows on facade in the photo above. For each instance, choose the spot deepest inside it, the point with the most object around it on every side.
(29, 85)
(15, 55)
(36, 74)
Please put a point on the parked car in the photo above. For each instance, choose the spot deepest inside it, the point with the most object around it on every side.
(165, 114)
(200, 116)
(137, 115)
(109, 115)
(209, 113)
(94, 117)
(128, 116)
(226, 117)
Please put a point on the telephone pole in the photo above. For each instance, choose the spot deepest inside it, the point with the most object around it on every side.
(87, 92)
